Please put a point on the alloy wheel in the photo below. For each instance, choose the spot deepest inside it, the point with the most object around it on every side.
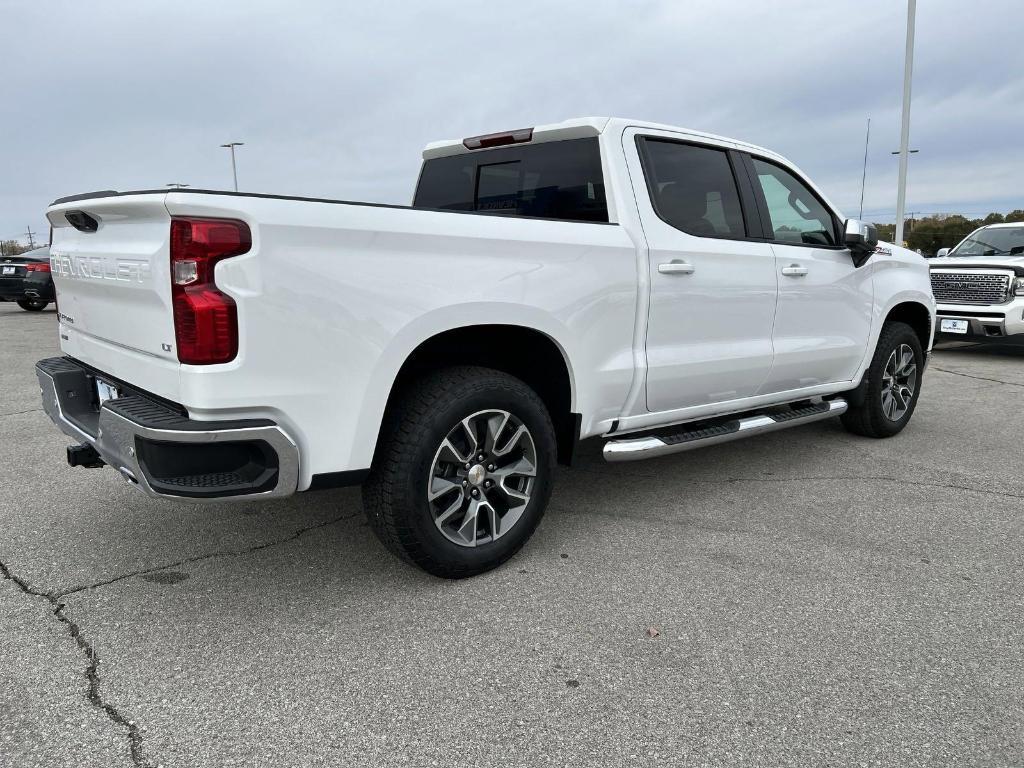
(899, 382)
(482, 478)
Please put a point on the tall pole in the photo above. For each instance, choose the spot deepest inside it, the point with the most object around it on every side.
(908, 67)
(234, 168)
(864, 175)
(31, 236)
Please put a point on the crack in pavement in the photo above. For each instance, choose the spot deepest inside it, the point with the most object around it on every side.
(876, 478)
(92, 670)
(207, 556)
(979, 378)
(830, 478)
(18, 413)
(94, 695)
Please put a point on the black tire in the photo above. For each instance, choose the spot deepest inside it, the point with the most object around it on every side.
(869, 418)
(394, 495)
(32, 305)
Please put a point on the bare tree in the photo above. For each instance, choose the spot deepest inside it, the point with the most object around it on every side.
(12, 248)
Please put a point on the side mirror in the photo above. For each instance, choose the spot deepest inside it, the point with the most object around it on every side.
(942, 252)
(861, 238)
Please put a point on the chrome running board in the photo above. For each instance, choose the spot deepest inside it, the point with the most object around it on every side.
(666, 442)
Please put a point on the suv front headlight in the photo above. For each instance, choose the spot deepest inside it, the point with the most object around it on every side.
(1018, 286)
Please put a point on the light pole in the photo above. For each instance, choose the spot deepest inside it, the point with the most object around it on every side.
(908, 68)
(908, 153)
(234, 169)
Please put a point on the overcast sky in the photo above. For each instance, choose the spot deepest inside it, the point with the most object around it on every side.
(336, 99)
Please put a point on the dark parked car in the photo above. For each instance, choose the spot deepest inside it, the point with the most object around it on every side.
(26, 279)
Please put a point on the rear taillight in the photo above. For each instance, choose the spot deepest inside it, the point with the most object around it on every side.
(205, 319)
(41, 267)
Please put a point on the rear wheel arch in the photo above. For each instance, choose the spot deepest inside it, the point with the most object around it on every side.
(463, 473)
(530, 355)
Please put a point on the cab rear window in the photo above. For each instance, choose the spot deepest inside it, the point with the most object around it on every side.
(550, 180)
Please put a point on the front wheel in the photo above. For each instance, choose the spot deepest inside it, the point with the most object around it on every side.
(32, 305)
(892, 386)
(463, 472)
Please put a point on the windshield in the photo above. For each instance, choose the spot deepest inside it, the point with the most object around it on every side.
(992, 241)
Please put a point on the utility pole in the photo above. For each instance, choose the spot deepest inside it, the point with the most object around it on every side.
(908, 67)
(177, 185)
(864, 175)
(234, 169)
(31, 235)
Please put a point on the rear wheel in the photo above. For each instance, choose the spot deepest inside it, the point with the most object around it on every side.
(892, 386)
(463, 472)
(32, 305)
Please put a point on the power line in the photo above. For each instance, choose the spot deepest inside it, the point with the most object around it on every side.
(965, 212)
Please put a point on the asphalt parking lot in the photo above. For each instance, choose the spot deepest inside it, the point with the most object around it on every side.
(819, 599)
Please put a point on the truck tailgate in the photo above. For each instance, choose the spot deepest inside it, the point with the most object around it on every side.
(113, 286)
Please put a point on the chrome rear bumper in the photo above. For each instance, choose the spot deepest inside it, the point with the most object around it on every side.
(161, 450)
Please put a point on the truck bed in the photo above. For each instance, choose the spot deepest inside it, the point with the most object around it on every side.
(331, 299)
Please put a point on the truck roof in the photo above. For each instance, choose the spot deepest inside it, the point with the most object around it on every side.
(581, 127)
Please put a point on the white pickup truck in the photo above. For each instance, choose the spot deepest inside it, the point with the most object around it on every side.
(979, 285)
(655, 287)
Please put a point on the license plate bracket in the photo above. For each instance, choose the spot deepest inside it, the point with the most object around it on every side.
(106, 391)
(950, 325)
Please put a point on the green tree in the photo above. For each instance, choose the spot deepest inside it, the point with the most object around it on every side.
(934, 232)
(886, 232)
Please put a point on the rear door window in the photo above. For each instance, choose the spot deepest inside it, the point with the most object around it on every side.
(550, 180)
(693, 188)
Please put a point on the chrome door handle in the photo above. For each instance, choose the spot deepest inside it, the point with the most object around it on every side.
(794, 270)
(676, 267)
